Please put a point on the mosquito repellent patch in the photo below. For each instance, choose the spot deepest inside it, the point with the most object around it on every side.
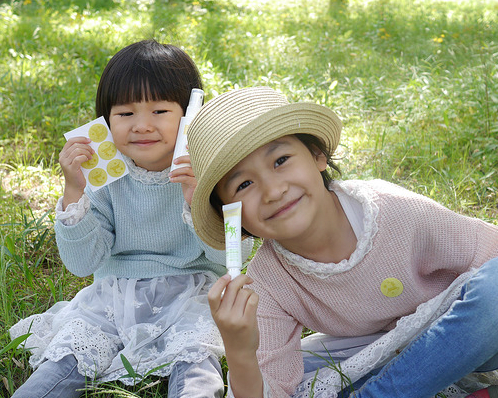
(107, 164)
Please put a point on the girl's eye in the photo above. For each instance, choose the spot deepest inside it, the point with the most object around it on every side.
(125, 113)
(244, 185)
(281, 160)
(161, 111)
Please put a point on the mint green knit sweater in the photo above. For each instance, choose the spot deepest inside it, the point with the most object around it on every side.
(135, 230)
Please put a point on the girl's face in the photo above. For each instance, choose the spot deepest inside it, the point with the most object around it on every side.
(146, 132)
(281, 190)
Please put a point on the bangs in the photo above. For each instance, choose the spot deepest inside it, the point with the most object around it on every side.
(143, 81)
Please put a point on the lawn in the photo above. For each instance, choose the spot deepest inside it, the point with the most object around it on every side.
(414, 82)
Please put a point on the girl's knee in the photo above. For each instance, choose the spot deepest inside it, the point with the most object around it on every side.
(484, 285)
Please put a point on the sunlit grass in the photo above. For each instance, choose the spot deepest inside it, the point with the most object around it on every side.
(414, 82)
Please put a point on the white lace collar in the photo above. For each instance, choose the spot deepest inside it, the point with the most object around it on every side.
(145, 176)
(364, 195)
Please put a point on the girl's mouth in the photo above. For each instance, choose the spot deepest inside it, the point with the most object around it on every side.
(144, 143)
(284, 209)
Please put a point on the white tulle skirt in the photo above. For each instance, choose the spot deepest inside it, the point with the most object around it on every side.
(151, 322)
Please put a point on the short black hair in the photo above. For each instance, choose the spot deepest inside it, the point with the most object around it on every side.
(147, 71)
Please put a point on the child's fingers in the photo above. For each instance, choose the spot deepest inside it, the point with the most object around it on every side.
(252, 304)
(234, 288)
(181, 172)
(76, 142)
(224, 292)
(234, 299)
(245, 301)
(75, 148)
(75, 157)
(252, 300)
(82, 140)
(184, 179)
(214, 294)
(182, 159)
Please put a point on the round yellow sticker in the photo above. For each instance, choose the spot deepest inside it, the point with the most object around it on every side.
(97, 132)
(97, 177)
(391, 287)
(107, 150)
(116, 167)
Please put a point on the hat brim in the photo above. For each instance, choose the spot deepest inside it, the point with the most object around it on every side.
(229, 150)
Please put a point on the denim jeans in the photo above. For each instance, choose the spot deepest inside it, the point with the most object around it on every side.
(462, 341)
(54, 380)
(191, 380)
(62, 380)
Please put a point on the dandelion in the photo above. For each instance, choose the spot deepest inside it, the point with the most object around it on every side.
(383, 34)
(439, 39)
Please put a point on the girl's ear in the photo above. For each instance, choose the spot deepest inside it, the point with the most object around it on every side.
(319, 157)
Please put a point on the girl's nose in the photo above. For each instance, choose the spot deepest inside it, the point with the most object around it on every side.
(274, 189)
(142, 124)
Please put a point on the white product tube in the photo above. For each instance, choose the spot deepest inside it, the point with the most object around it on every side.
(194, 104)
(232, 214)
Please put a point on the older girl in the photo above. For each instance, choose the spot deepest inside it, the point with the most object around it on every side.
(345, 258)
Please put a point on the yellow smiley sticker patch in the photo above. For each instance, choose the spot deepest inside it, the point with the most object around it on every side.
(107, 163)
(116, 167)
(98, 132)
(391, 287)
(107, 150)
(97, 177)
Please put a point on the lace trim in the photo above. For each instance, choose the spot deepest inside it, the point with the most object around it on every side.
(366, 197)
(96, 350)
(74, 211)
(187, 215)
(329, 382)
(177, 341)
(146, 176)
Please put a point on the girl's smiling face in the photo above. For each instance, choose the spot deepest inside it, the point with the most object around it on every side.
(146, 132)
(281, 190)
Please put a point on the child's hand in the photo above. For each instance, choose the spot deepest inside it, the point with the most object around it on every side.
(185, 176)
(234, 311)
(73, 154)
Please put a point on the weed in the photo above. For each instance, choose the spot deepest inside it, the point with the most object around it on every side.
(414, 83)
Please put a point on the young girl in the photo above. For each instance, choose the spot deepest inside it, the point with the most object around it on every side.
(345, 258)
(148, 301)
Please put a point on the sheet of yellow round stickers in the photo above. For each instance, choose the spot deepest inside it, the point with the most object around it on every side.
(107, 164)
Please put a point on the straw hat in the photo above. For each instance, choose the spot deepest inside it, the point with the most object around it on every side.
(235, 124)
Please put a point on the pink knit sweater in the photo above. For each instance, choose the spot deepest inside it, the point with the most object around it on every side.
(406, 236)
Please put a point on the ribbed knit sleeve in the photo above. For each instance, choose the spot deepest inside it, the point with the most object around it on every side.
(85, 246)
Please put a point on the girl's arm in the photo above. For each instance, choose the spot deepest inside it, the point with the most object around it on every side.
(85, 246)
(234, 310)
(75, 152)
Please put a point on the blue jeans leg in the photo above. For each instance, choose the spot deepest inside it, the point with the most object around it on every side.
(462, 341)
(54, 380)
(196, 380)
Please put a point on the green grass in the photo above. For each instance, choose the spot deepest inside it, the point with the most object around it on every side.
(415, 83)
